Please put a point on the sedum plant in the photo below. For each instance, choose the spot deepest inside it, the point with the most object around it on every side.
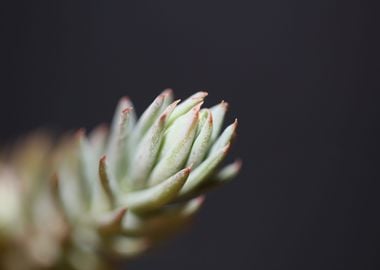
(81, 201)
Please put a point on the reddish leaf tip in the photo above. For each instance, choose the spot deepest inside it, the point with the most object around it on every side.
(126, 110)
(235, 123)
(80, 133)
(167, 92)
(226, 148)
(103, 159)
(224, 104)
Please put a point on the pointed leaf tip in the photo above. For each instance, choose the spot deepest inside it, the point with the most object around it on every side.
(224, 105)
(226, 137)
(199, 95)
(236, 122)
(200, 199)
(125, 100)
(111, 223)
(103, 159)
(167, 112)
(80, 133)
(197, 107)
(187, 105)
(218, 111)
(154, 109)
(238, 164)
(228, 172)
(119, 216)
(167, 92)
(123, 103)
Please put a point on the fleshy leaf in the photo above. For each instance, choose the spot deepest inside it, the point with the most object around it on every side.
(147, 150)
(55, 189)
(228, 172)
(129, 247)
(97, 195)
(111, 222)
(201, 143)
(107, 184)
(187, 105)
(86, 165)
(123, 104)
(168, 97)
(119, 127)
(150, 115)
(121, 157)
(74, 196)
(157, 196)
(222, 177)
(161, 221)
(218, 113)
(226, 137)
(177, 144)
(97, 139)
(204, 170)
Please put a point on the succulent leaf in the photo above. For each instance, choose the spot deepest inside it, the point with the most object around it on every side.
(222, 177)
(151, 113)
(228, 173)
(187, 105)
(218, 112)
(177, 144)
(201, 144)
(106, 182)
(225, 138)
(158, 195)
(148, 149)
(123, 104)
(205, 169)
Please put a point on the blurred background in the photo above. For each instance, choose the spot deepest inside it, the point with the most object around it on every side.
(301, 76)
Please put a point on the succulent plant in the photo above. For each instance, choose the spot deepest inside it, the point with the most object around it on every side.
(79, 201)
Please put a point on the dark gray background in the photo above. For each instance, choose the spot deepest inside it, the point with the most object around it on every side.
(301, 76)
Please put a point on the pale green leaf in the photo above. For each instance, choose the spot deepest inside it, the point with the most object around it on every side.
(176, 147)
(122, 123)
(218, 113)
(223, 176)
(161, 221)
(147, 150)
(128, 247)
(150, 115)
(187, 105)
(226, 137)
(204, 170)
(228, 172)
(108, 184)
(201, 144)
(157, 196)
(111, 223)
